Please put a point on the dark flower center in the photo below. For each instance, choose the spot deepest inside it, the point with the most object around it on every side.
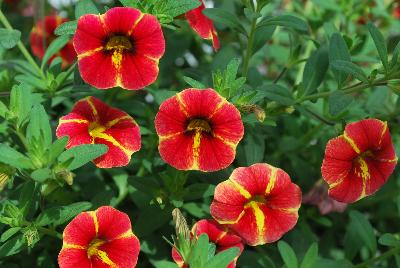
(199, 125)
(119, 42)
(257, 199)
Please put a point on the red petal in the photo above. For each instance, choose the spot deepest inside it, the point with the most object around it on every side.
(90, 34)
(123, 252)
(277, 223)
(80, 231)
(227, 123)
(177, 151)
(170, 119)
(122, 20)
(178, 258)
(215, 154)
(72, 258)
(348, 190)
(201, 103)
(112, 223)
(247, 228)
(76, 128)
(37, 43)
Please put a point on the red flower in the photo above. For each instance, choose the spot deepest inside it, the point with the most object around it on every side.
(42, 35)
(396, 12)
(94, 122)
(99, 239)
(217, 234)
(198, 130)
(259, 203)
(202, 25)
(120, 48)
(359, 162)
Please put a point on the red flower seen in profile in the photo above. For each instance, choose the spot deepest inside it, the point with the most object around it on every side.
(93, 122)
(119, 48)
(202, 25)
(359, 162)
(42, 35)
(217, 234)
(198, 130)
(259, 203)
(99, 239)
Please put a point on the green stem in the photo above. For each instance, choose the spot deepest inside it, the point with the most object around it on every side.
(21, 47)
(250, 44)
(281, 74)
(67, 74)
(49, 232)
(385, 255)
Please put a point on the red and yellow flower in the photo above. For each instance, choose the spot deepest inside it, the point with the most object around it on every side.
(259, 203)
(202, 25)
(198, 130)
(42, 35)
(217, 234)
(99, 239)
(359, 162)
(119, 48)
(91, 121)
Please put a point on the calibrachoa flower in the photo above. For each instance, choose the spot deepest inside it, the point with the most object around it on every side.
(202, 25)
(99, 239)
(42, 35)
(119, 48)
(198, 130)
(359, 162)
(259, 203)
(91, 121)
(217, 234)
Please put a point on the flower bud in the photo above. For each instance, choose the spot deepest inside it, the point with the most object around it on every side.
(31, 236)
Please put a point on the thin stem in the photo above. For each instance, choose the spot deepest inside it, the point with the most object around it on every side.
(49, 232)
(250, 44)
(21, 46)
(281, 74)
(67, 74)
(320, 118)
(381, 257)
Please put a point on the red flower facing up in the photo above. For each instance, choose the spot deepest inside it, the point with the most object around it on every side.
(359, 162)
(94, 122)
(120, 48)
(198, 130)
(42, 35)
(259, 203)
(202, 25)
(217, 234)
(99, 239)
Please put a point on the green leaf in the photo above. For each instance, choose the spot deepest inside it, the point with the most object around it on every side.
(175, 8)
(380, 44)
(224, 17)
(12, 246)
(223, 258)
(56, 149)
(315, 70)
(21, 100)
(363, 229)
(41, 175)
(287, 254)
(198, 191)
(67, 28)
(396, 54)
(389, 240)
(194, 83)
(39, 128)
(84, 7)
(351, 69)
(9, 233)
(311, 257)
(28, 197)
(262, 36)
(199, 254)
(53, 48)
(3, 109)
(14, 158)
(82, 154)
(338, 102)
(61, 214)
(338, 51)
(288, 21)
(278, 93)
(9, 38)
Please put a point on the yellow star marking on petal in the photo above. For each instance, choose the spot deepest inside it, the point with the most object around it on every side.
(167, 137)
(260, 220)
(351, 142)
(78, 121)
(102, 22)
(72, 246)
(112, 140)
(94, 250)
(293, 210)
(117, 59)
(228, 143)
(222, 102)
(240, 188)
(118, 120)
(196, 150)
(136, 23)
(232, 222)
(272, 180)
(384, 129)
(90, 52)
(127, 234)
(92, 107)
(95, 221)
(182, 105)
(153, 59)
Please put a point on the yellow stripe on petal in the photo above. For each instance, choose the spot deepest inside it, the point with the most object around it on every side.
(167, 137)
(92, 107)
(222, 102)
(351, 142)
(260, 220)
(182, 105)
(384, 129)
(228, 143)
(103, 256)
(95, 221)
(240, 188)
(117, 59)
(136, 23)
(222, 235)
(72, 246)
(78, 121)
(127, 234)
(117, 120)
(196, 150)
(232, 222)
(272, 180)
(90, 52)
(112, 140)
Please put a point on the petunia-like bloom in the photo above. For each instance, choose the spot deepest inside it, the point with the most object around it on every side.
(119, 48)
(259, 203)
(198, 130)
(91, 121)
(359, 162)
(217, 234)
(99, 239)
(202, 25)
(42, 35)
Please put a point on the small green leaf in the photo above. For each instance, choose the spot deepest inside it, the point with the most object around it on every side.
(194, 83)
(351, 69)
(9, 38)
(363, 229)
(175, 8)
(67, 28)
(39, 128)
(224, 17)
(380, 44)
(223, 258)
(389, 240)
(3, 109)
(53, 48)
(287, 254)
(41, 175)
(338, 51)
(28, 196)
(278, 93)
(311, 257)
(56, 149)
(288, 21)
(199, 254)
(82, 154)
(130, 3)
(9, 233)
(84, 7)
(396, 54)
(338, 102)
(14, 158)
(12, 246)
(61, 214)
(315, 70)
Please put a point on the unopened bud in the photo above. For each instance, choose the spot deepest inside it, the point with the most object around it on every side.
(289, 110)
(6, 172)
(31, 236)
(255, 109)
(66, 175)
(181, 226)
